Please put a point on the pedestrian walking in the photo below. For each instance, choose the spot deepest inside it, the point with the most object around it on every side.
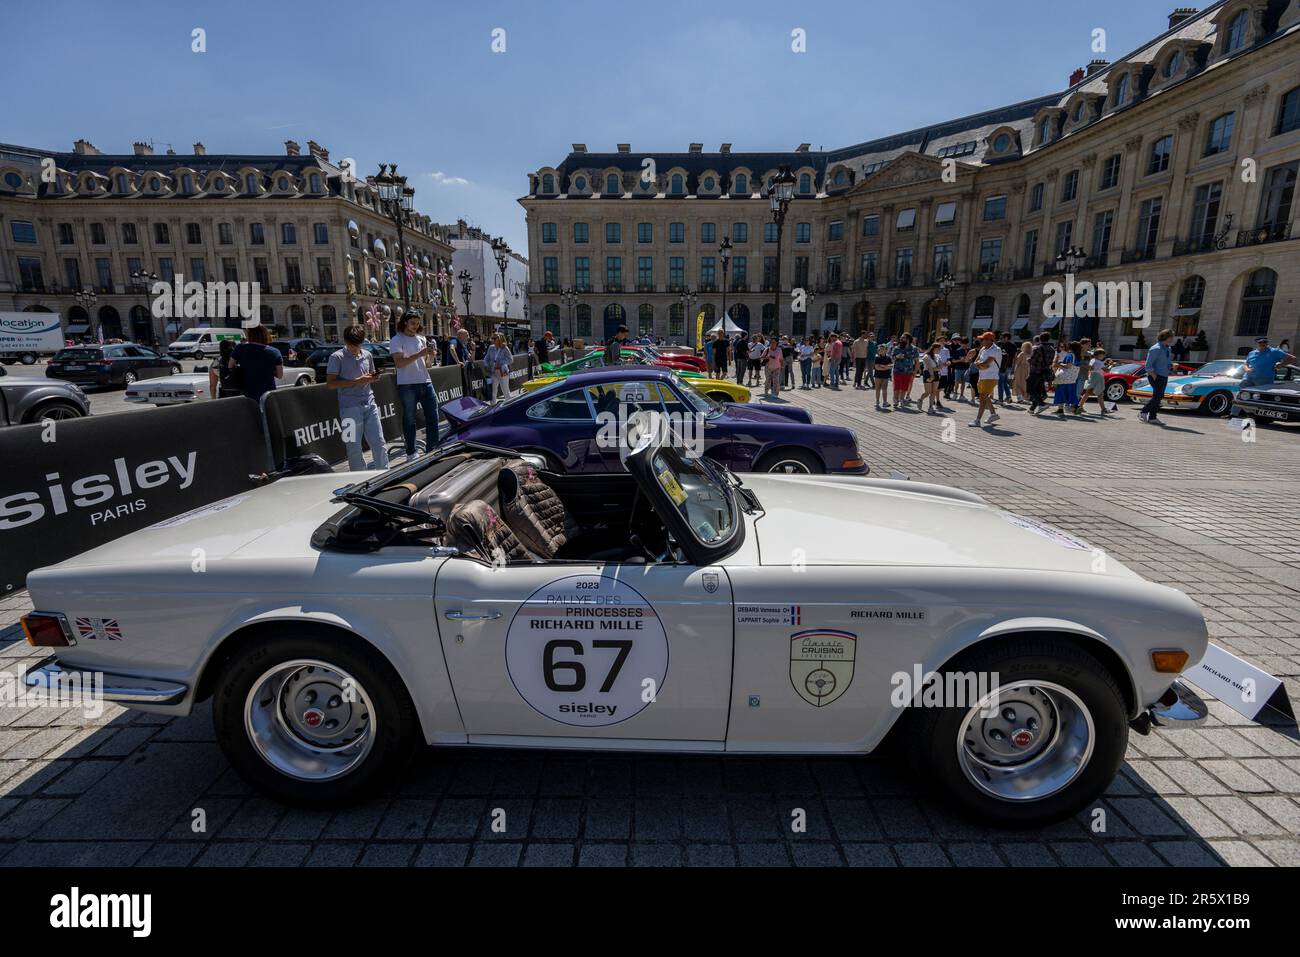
(836, 360)
(413, 354)
(905, 359)
(861, 356)
(787, 362)
(741, 353)
(498, 361)
(1096, 382)
(883, 367)
(1159, 367)
(721, 347)
(351, 371)
(930, 378)
(614, 347)
(818, 360)
(1004, 369)
(1020, 377)
(1065, 375)
(1041, 360)
(805, 351)
(774, 362)
(988, 369)
(757, 352)
(960, 368)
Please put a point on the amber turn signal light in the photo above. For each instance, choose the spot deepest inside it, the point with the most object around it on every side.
(1170, 661)
(45, 630)
(854, 463)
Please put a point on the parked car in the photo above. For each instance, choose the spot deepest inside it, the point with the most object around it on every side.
(189, 386)
(296, 351)
(671, 360)
(320, 358)
(1121, 376)
(1278, 402)
(720, 390)
(119, 363)
(559, 421)
(469, 598)
(1210, 389)
(203, 342)
(37, 400)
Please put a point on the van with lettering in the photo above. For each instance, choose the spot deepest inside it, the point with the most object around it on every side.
(203, 342)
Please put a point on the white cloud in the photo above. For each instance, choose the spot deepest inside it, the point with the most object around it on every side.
(442, 179)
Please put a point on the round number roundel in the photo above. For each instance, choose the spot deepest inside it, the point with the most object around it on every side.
(587, 650)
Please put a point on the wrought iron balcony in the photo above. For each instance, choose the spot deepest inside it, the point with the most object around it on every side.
(1267, 233)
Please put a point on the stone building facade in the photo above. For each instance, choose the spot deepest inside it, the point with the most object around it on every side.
(1174, 166)
(306, 229)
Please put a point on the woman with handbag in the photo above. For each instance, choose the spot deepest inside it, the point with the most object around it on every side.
(1066, 378)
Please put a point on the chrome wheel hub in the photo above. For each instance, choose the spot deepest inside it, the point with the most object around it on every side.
(790, 467)
(309, 719)
(1025, 741)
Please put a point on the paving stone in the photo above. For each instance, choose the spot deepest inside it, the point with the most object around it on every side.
(548, 855)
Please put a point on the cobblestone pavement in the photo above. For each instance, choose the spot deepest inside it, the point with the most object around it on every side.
(1187, 503)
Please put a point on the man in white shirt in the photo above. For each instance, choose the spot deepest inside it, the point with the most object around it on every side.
(944, 358)
(413, 354)
(988, 362)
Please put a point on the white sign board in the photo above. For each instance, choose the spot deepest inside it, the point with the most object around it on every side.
(1238, 684)
(30, 332)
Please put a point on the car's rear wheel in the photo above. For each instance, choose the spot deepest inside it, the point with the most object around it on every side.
(1043, 740)
(1116, 390)
(28, 359)
(313, 719)
(56, 411)
(303, 380)
(128, 377)
(176, 368)
(1217, 403)
(790, 462)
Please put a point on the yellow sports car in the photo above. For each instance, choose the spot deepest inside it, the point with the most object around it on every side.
(718, 389)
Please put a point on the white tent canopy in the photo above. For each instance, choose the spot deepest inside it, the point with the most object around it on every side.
(726, 325)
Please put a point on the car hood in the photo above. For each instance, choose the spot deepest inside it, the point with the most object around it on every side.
(772, 415)
(280, 517)
(846, 520)
(170, 381)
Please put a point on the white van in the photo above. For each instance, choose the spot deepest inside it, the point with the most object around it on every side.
(203, 342)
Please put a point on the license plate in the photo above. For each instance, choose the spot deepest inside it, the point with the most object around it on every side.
(1269, 413)
(75, 368)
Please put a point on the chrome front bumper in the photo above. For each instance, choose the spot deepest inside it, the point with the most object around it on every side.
(1179, 707)
(123, 689)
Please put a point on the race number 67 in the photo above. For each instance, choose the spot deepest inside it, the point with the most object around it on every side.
(575, 669)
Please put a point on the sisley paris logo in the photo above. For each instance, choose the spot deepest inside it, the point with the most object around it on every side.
(102, 492)
(100, 911)
(195, 300)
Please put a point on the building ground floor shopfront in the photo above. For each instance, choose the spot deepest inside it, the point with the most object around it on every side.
(1223, 300)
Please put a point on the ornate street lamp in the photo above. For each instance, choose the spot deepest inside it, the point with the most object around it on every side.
(945, 284)
(724, 253)
(86, 299)
(1070, 261)
(686, 298)
(397, 201)
(466, 288)
(779, 195)
(501, 252)
(308, 297)
(569, 297)
(142, 282)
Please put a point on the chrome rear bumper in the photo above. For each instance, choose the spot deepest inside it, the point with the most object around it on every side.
(124, 689)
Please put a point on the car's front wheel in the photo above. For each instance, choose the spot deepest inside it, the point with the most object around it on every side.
(1218, 403)
(28, 359)
(314, 719)
(1043, 738)
(1116, 391)
(790, 462)
(56, 411)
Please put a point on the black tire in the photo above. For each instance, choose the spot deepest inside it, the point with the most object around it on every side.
(8, 362)
(176, 369)
(55, 411)
(128, 377)
(28, 358)
(933, 731)
(1217, 404)
(1116, 391)
(395, 717)
(791, 461)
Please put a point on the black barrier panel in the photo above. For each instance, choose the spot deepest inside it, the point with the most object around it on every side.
(72, 485)
(305, 420)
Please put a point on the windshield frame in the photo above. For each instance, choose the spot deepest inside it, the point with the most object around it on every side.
(1237, 364)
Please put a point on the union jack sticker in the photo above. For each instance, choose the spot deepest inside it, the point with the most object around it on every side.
(99, 629)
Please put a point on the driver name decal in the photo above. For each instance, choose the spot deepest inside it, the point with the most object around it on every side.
(580, 649)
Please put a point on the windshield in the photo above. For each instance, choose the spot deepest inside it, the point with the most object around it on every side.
(65, 354)
(1224, 367)
(699, 404)
(189, 337)
(1128, 368)
(698, 496)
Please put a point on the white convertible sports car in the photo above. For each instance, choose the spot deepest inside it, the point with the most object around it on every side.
(470, 598)
(191, 386)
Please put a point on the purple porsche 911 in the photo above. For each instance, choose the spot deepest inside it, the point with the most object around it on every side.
(574, 424)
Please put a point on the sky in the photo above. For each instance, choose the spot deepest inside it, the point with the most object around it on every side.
(421, 85)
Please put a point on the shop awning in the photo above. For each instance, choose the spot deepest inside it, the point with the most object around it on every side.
(1021, 323)
(1186, 311)
(77, 328)
(1051, 322)
(981, 322)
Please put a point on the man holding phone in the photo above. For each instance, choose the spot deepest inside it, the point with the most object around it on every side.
(351, 370)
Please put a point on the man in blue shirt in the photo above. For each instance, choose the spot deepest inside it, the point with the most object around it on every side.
(259, 361)
(1261, 365)
(1159, 367)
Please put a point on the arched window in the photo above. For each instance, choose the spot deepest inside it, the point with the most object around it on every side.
(1257, 303)
(984, 307)
(612, 184)
(297, 320)
(1192, 293)
(329, 318)
(841, 177)
(1121, 90)
(1045, 130)
(1237, 32)
(266, 315)
(582, 317)
(187, 184)
(677, 185)
(1022, 307)
(645, 320)
(121, 183)
(551, 316)
(315, 182)
(769, 318)
(742, 182)
(676, 320)
(805, 183)
(548, 183)
(1173, 63)
(250, 183)
(1078, 110)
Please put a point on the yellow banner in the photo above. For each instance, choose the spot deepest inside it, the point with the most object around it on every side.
(699, 331)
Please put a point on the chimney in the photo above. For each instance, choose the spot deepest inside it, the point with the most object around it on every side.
(318, 151)
(724, 149)
(142, 149)
(1096, 65)
(85, 148)
(200, 150)
(697, 147)
(291, 148)
(1181, 15)
(170, 151)
(625, 147)
(1077, 77)
(579, 147)
(803, 148)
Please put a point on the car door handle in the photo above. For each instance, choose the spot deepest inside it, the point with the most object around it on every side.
(457, 615)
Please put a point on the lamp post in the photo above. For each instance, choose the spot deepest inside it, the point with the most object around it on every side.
(308, 297)
(724, 253)
(686, 298)
(86, 299)
(570, 299)
(466, 288)
(779, 194)
(142, 282)
(501, 252)
(945, 285)
(1068, 262)
(397, 200)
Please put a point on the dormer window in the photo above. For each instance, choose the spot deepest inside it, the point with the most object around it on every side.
(548, 183)
(1121, 91)
(709, 183)
(282, 184)
(1078, 111)
(805, 183)
(120, 179)
(677, 185)
(612, 184)
(742, 183)
(1002, 143)
(315, 182)
(1173, 63)
(219, 185)
(1045, 130)
(841, 177)
(187, 184)
(580, 184)
(1236, 38)
(250, 183)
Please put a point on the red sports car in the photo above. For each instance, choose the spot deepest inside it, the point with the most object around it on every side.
(1121, 376)
(653, 357)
